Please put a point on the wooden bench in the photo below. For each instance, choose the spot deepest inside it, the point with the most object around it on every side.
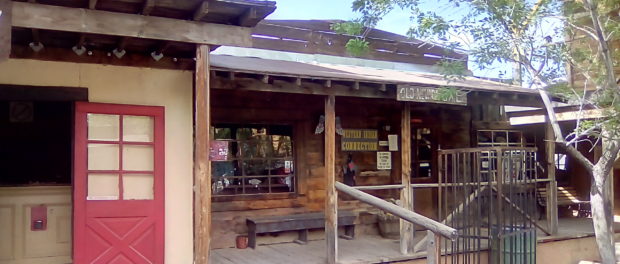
(297, 222)
(567, 196)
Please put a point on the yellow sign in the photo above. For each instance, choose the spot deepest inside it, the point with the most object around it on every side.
(360, 140)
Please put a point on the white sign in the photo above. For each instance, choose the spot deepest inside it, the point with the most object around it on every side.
(393, 142)
(384, 160)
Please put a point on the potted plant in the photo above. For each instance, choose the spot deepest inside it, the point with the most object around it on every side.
(389, 224)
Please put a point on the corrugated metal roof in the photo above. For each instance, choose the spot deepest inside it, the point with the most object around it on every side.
(353, 73)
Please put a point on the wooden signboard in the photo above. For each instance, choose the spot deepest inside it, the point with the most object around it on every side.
(359, 140)
(429, 95)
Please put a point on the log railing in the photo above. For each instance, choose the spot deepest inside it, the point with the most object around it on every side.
(435, 229)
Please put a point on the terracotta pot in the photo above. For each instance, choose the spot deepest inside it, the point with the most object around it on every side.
(242, 242)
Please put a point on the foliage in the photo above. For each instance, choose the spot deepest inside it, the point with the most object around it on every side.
(566, 48)
(452, 70)
(357, 46)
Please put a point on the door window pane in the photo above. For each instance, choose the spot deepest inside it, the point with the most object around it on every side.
(138, 128)
(103, 156)
(137, 158)
(102, 186)
(103, 127)
(138, 187)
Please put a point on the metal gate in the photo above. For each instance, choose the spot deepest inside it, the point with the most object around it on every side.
(489, 195)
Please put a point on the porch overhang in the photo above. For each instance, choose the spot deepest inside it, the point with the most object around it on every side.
(256, 74)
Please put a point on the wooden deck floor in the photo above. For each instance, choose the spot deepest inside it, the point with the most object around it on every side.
(363, 249)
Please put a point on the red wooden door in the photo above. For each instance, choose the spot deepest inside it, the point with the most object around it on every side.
(118, 184)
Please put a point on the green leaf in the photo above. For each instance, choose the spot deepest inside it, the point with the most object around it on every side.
(357, 47)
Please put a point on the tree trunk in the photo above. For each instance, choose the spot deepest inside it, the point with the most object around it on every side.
(600, 200)
(602, 216)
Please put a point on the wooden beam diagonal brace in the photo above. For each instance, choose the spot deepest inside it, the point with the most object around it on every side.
(38, 16)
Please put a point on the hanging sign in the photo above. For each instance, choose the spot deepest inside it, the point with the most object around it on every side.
(359, 140)
(431, 95)
(384, 160)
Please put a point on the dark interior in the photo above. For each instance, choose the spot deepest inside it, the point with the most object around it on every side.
(35, 143)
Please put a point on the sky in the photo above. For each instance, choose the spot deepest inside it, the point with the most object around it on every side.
(397, 21)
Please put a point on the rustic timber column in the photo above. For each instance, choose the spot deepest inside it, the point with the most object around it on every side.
(552, 186)
(331, 197)
(202, 165)
(6, 6)
(406, 194)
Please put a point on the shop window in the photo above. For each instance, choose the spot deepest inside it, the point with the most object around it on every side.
(422, 146)
(252, 160)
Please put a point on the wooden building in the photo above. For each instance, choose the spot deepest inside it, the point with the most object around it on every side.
(125, 141)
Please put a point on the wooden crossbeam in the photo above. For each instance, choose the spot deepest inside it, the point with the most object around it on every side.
(38, 16)
(202, 11)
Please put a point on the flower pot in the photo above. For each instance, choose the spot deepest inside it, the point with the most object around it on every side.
(242, 242)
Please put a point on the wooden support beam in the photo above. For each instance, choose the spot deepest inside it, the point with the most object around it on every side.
(5, 29)
(328, 83)
(430, 224)
(92, 4)
(331, 197)
(147, 7)
(356, 85)
(250, 84)
(552, 186)
(265, 78)
(202, 11)
(298, 81)
(202, 165)
(433, 248)
(406, 228)
(60, 18)
(248, 18)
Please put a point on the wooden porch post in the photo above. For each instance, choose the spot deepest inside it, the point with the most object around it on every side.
(5, 29)
(406, 194)
(331, 197)
(202, 165)
(552, 186)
